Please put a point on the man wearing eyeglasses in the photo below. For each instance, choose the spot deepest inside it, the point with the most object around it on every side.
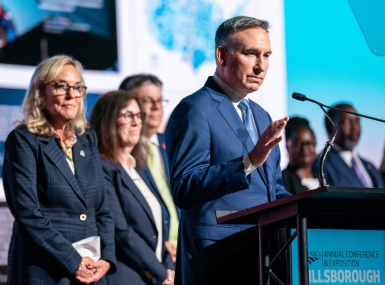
(148, 88)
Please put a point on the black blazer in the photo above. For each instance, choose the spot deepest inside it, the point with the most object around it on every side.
(135, 231)
(53, 207)
(292, 182)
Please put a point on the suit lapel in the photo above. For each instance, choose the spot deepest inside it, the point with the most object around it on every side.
(343, 168)
(260, 129)
(230, 115)
(131, 186)
(82, 155)
(162, 147)
(55, 154)
(149, 180)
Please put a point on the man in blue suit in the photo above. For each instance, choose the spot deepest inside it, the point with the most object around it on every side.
(148, 88)
(223, 155)
(343, 166)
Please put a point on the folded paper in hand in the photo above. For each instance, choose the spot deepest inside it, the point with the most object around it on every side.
(88, 247)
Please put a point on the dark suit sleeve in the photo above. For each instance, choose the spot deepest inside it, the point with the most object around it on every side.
(130, 247)
(104, 218)
(194, 180)
(19, 177)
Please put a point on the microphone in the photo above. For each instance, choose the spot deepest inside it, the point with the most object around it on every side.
(329, 144)
(299, 96)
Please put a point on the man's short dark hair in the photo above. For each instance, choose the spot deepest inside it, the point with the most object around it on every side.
(334, 115)
(227, 30)
(133, 82)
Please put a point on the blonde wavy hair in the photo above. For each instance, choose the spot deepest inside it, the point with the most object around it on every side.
(35, 117)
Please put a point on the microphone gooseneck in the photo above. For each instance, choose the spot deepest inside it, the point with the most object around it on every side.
(328, 144)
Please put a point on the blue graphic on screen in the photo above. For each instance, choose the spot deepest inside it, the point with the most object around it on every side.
(93, 15)
(86, 30)
(188, 27)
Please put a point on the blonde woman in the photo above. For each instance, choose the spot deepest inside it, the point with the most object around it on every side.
(54, 185)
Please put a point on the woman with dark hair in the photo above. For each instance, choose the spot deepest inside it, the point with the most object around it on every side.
(53, 184)
(139, 234)
(300, 145)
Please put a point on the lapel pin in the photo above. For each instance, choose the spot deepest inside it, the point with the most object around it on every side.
(82, 153)
(163, 145)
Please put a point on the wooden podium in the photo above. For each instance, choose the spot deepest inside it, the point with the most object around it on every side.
(323, 208)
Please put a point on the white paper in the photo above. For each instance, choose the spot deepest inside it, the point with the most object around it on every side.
(88, 247)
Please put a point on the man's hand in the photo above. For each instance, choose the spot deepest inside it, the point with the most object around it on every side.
(171, 247)
(170, 277)
(267, 141)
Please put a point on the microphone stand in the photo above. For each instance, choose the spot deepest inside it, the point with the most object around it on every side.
(325, 151)
(329, 144)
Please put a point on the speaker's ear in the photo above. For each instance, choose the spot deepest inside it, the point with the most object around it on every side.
(220, 54)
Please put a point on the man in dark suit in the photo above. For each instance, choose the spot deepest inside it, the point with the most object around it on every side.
(343, 166)
(223, 155)
(148, 88)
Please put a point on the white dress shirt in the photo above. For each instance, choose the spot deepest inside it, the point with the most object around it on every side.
(152, 201)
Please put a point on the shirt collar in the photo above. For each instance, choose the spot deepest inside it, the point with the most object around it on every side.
(229, 92)
(153, 139)
(68, 143)
(346, 155)
(133, 160)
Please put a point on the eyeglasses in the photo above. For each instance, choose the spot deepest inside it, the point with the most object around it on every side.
(130, 117)
(153, 102)
(62, 88)
(299, 145)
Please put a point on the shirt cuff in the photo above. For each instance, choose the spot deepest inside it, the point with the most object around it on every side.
(247, 164)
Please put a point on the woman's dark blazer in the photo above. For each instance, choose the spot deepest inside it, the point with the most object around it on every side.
(136, 235)
(292, 182)
(53, 207)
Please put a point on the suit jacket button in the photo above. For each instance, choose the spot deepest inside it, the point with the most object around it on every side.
(83, 217)
(154, 237)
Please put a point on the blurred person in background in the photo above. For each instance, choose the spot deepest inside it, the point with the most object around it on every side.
(54, 186)
(343, 166)
(148, 88)
(142, 257)
(300, 144)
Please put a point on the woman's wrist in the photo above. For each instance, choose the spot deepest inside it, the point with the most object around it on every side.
(80, 267)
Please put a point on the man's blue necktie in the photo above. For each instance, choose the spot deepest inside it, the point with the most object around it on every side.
(248, 120)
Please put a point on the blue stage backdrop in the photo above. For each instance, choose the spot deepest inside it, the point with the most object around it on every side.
(329, 60)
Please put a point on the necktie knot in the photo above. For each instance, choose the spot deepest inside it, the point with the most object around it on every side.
(244, 104)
